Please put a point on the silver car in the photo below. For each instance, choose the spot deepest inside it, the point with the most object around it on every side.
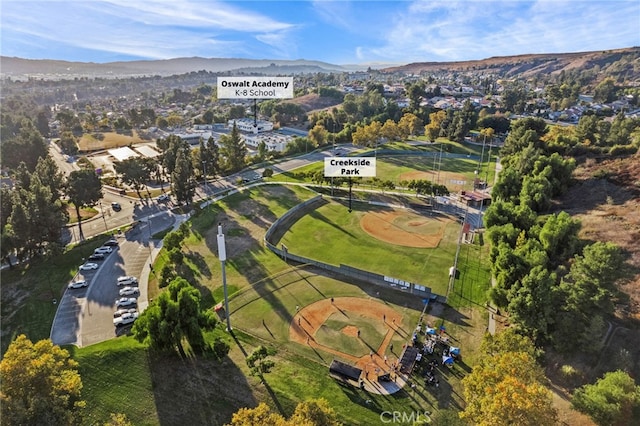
(125, 301)
(129, 291)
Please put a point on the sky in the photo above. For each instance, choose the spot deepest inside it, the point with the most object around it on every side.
(339, 32)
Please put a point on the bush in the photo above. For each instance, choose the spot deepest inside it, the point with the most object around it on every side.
(220, 348)
(623, 150)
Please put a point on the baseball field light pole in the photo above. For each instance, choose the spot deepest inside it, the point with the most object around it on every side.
(222, 255)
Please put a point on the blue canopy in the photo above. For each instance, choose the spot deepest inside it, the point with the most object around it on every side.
(447, 360)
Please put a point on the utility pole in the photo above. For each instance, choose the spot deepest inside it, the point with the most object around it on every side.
(222, 255)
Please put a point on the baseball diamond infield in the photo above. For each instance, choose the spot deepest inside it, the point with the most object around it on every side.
(405, 228)
(375, 360)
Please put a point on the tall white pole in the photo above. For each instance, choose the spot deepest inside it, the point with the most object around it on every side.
(222, 255)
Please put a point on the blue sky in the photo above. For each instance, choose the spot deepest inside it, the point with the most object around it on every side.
(339, 32)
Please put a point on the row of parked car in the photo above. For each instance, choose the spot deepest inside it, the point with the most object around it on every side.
(126, 311)
(98, 254)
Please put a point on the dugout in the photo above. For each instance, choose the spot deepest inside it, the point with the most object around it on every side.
(408, 359)
(344, 372)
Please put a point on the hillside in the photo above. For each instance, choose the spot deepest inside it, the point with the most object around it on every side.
(621, 63)
(45, 68)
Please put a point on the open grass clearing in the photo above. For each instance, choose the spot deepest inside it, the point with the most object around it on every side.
(107, 140)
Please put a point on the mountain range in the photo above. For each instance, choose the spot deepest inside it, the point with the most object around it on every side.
(623, 64)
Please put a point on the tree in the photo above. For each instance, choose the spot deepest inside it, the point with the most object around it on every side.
(68, 143)
(506, 389)
(133, 172)
(233, 151)
(614, 400)
(183, 183)
(432, 130)
(260, 415)
(590, 283)
(175, 315)
(83, 189)
(390, 130)
(40, 385)
(50, 175)
(318, 135)
(314, 412)
(605, 91)
(409, 125)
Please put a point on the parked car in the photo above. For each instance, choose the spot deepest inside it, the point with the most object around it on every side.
(123, 311)
(96, 256)
(127, 280)
(129, 291)
(112, 242)
(125, 319)
(78, 284)
(126, 301)
(88, 266)
(103, 250)
(116, 206)
(163, 197)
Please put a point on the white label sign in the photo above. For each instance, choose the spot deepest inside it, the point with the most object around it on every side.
(255, 87)
(349, 167)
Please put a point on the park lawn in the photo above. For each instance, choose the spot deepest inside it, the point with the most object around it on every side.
(107, 140)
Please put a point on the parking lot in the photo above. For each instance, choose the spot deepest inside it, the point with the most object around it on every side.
(85, 315)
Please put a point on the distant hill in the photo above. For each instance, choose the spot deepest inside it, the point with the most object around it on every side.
(621, 63)
(47, 68)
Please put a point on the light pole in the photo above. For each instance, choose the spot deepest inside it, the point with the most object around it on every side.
(103, 218)
(149, 242)
(222, 255)
(204, 177)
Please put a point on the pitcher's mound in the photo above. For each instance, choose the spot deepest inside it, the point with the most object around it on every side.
(350, 331)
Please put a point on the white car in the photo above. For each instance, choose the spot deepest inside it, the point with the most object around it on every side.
(129, 291)
(88, 266)
(125, 301)
(78, 284)
(123, 311)
(127, 280)
(163, 197)
(103, 250)
(125, 319)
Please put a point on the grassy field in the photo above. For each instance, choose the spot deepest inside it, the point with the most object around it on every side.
(390, 167)
(122, 376)
(332, 235)
(107, 140)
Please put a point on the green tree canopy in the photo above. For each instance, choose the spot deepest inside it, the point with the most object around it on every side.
(84, 188)
(614, 400)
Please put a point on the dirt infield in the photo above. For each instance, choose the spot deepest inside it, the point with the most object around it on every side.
(308, 320)
(404, 228)
(453, 181)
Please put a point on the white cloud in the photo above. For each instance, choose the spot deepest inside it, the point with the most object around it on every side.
(150, 29)
(461, 30)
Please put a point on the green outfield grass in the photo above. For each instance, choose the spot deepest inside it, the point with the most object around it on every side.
(331, 334)
(333, 235)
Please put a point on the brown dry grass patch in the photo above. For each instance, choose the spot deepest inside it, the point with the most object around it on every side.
(108, 140)
(449, 179)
